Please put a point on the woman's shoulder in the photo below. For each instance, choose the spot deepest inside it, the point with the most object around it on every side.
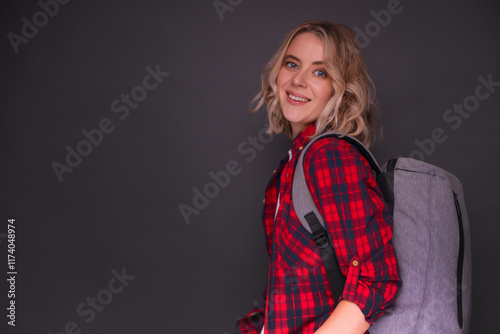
(336, 159)
(333, 148)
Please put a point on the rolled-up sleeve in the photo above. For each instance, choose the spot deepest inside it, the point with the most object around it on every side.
(253, 321)
(359, 224)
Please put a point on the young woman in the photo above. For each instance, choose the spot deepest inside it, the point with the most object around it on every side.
(317, 82)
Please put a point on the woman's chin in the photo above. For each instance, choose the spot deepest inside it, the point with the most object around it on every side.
(292, 117)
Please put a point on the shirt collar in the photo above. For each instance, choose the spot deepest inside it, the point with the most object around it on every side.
(300, 141)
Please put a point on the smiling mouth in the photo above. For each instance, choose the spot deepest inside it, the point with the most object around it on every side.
(297, 98)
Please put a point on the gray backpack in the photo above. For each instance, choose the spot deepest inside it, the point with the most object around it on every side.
(431, 238)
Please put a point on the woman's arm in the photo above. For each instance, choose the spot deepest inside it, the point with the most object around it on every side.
(347, 318)
(360, 225)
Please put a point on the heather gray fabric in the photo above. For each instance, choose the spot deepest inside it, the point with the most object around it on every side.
(426, 239)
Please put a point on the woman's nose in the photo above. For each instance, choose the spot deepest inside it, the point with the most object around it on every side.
(299, 79)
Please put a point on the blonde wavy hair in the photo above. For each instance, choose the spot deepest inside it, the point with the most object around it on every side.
(351, 109)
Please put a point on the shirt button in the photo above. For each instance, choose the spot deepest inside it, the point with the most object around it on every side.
(355, 263)
(274, 171)
(264, 201)
(301, 148)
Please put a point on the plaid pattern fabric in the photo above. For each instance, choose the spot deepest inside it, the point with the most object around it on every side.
(298, 297)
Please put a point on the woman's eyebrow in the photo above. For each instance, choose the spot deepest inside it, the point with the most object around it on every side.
(318, 62)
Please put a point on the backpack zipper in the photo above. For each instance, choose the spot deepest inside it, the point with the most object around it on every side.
(460, 266)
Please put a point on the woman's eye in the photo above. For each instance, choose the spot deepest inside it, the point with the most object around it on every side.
(320, 73)
(289, 64)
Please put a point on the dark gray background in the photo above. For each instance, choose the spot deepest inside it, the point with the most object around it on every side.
(119, 207)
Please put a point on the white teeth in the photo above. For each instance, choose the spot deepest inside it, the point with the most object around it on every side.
(296, 98)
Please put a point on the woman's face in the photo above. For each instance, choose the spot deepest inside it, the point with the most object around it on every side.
(304, 87)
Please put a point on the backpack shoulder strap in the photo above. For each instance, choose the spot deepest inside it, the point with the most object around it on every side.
(311, 219)
(302, 199)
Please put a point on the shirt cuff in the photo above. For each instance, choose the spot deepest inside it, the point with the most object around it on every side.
(253, 322)
(360, 293)
(351, 283)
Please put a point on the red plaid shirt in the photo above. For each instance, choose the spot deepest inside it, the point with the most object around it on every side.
(298, 297)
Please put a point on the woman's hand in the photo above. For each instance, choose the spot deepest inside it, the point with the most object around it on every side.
(347, 318)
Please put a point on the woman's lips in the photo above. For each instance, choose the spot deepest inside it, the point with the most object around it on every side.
(296, 99)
